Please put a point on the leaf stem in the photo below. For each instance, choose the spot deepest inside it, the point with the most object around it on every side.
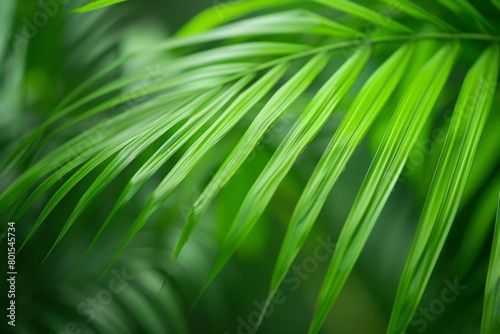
(370, 42)
(387, 39)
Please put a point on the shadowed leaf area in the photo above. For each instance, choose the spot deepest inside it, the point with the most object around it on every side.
(280, 166)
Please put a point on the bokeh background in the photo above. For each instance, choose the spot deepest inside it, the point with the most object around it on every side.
(53, 298)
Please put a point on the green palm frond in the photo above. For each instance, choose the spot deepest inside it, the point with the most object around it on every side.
(97, 4)
(491, 321)
(383, 66)
(449, 180)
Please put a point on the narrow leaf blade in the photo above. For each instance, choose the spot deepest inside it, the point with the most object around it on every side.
(447, 186)
(304, 130)
(348, 136)
(491, 310)
(365, 13)
(94, 5)
(407, 122)
(164, 153)
(223, 12)
(269, 115)
(196, 152)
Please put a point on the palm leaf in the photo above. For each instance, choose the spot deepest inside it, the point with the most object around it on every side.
(491, 321)
(165, 152)
(449, 181)
(383, 174)
(348, 136)
(468, 13)
(223, 71)
(225, 122)
(304, 130)
(97, 4)
(419, 13)
(269, 115)
(365, 13)
(132, 148)
(224, 12)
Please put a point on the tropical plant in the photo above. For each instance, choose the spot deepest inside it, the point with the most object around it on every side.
(417, 79)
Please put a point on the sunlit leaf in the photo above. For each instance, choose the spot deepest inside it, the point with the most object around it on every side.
(354, 9)
(194, 154)
(406, 124)
(269, 115)
(304, 130)
(491, 320)
(97, 4)
(348, 136)
(443, 199)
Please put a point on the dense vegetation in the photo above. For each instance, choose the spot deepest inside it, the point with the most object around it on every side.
(298, 166)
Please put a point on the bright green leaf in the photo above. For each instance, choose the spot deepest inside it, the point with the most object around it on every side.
(365, 13)
(97, 4)
(194, 154)
(491, 311)
(348, 136)
(304, 130)
(447, 186)
(408, 121)
(269, 115)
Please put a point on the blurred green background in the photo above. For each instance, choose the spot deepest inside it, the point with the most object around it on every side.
(68, 49)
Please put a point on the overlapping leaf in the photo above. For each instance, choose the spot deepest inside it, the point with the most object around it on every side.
(226, 11)
(491, 310)
(77, 150)
(468, 13)
(195, 87)
(269, 115)
(403, 131)
(177, 85)
(132, 149)
(419, 13)
(367, 14)
(143, 138)
(447, 186)
(165, 152)
(97, 4)
(304, 130)
(194, 154)
(348, 136)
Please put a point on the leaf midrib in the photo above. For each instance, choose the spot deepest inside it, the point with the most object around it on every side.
(369, 42)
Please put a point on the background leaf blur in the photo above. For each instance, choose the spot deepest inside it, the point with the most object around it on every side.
(214, 167)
